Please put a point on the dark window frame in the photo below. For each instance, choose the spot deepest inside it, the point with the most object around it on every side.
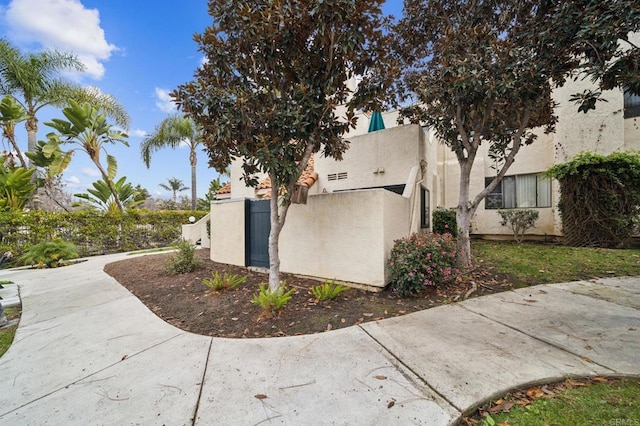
(631, 105)
(495, 199)
(425, 208)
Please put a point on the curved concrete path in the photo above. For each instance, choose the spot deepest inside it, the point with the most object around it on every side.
(88, 352)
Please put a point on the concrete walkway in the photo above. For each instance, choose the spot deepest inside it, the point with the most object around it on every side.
(87, 352)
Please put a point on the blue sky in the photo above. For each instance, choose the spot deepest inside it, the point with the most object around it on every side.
(137, 51)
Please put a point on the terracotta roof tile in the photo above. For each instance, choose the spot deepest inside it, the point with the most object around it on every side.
(307, 178)
(226, 189)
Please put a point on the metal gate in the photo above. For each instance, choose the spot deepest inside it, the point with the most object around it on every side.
(257, 226)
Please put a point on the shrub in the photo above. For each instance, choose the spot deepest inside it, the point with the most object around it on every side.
(270, 301)
(328, 290)
(444, 222)
(519, 221)
(183, 260)
(599, 198)
(50, 254)
(221, 281)
(420, 261)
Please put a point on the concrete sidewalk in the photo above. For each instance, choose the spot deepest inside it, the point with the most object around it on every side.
(88, 352)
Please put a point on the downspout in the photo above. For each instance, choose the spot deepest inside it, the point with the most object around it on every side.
(408, 192)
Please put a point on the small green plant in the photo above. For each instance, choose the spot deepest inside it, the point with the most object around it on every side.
(183, 260)
(2, 282)
(444, 222)
(519, 221)
(270, 301)
(420, 261)
(50, 254)
(328, 290)
(222, 281)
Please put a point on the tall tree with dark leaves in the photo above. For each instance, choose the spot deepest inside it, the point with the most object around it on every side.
(481, 72)
(275, 74)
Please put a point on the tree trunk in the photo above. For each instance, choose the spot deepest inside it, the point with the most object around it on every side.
(274, 236)
(31, 125)
(10, 134)
(193, 158)
(464, 212)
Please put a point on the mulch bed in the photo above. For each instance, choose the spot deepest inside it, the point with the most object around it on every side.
(185, 302)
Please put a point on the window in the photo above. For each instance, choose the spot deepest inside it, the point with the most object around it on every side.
(631, 105)
(519, 191)
(425, 213)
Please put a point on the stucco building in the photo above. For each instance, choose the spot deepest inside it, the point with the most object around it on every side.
(390, 181)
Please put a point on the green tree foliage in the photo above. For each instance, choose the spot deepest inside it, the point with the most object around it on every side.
(101, 198)
(174, 185)
(16, 188)
(482, 73)
(33, 80)
(599, 198)
(275, 74)
(87, 129)
(171, 133)
(214, 186)
(141, 194)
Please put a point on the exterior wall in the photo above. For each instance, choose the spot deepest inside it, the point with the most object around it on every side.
(345, 236)
(632, 134)
(603, 130)
(197, 231)
(238, 187)
(228, 232)
(373, 159)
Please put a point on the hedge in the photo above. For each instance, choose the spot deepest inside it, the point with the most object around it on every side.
(93, 232)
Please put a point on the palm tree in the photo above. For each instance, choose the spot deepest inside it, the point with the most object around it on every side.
(171, 132)
(31, 80)
(174, 185)
(101, 198)
(88, 130)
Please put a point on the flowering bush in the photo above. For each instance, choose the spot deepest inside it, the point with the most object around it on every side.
(420, 261)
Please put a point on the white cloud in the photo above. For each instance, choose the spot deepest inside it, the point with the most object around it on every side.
(91, 172)
(72, 182)
(139, 133)
(164, 102)
(65, 25)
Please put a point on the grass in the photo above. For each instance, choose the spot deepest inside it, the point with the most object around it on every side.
(7, 333)
(615, 403)
(530, 263)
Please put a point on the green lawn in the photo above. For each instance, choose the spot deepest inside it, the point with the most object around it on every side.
(615, 403)
(532, 263)
(7, 333)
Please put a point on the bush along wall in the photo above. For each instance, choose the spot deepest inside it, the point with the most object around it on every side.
(93, 232)
(599, 198)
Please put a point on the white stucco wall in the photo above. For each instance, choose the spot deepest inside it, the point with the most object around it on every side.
(238, 187)
(345, 235)
(228, 232)
(197, 231)
(373, 159)
(632, 134)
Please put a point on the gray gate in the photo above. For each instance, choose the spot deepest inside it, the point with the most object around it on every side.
(257, 226)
